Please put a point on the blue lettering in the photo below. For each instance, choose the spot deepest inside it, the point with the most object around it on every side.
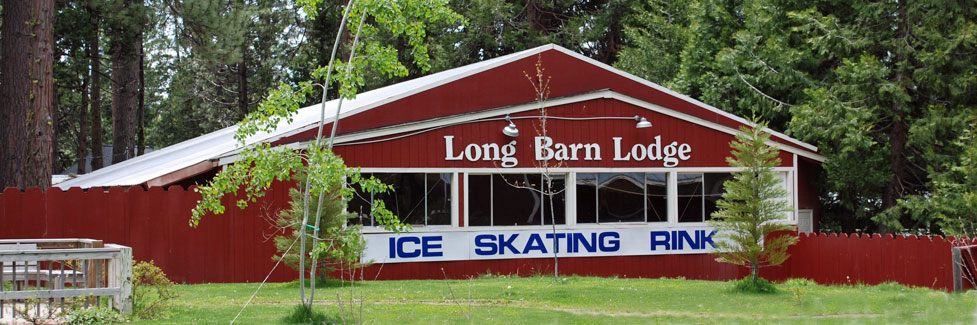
(556, 242)
(685, 237)
(609, 245)
(507, 243)
(400, 247)
(393, 249)
(706, 239)
(429, 243)
(534, 243)
(590, 246)
(485, 245)
(655, 242)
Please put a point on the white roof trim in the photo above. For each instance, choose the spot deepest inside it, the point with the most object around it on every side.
(475, 68)
(683, 97)
(433, 124)
(221, 143)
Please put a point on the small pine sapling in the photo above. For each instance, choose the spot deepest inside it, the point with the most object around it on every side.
(753, 206)
(331, 218)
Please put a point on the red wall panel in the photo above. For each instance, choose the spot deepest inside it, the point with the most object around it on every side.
(710, 148)
(506, 85)
(154, 223)
(233, 247)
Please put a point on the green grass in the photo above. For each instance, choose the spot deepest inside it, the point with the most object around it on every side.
(543, 300)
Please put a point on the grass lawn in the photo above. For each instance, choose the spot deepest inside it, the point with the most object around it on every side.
(543, 300)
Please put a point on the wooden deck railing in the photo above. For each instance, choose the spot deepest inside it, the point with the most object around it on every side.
(47, 271)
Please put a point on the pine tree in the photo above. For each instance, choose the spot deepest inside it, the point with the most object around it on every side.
(332, 220)
(27, 94)
(753, 206)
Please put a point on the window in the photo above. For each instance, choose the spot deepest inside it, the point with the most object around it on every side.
(622, 197)
(697, 195)
(515, 200)
(656, 197)
(417, 199)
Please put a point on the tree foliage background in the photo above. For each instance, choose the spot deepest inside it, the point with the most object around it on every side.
(884, 89)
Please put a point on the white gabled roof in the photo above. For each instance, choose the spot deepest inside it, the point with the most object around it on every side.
(212, 146)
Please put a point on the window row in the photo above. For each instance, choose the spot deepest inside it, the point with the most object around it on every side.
(532, 199)
(416, 198)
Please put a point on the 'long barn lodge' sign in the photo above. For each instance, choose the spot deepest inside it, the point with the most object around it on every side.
(545, 149)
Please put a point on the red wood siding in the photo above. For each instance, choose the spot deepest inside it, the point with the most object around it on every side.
(232, 247)
(427, 150)
(154, 222)
(826, 259)
(807, 188)
(507, 85)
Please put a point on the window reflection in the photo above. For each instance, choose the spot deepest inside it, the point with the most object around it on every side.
(622, 197)
(697, 195)
(417, 199)
(515, 200)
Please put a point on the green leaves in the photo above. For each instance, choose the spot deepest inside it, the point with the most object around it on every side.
(952, 204)
(386, 19)
(258, 166)
(280, 105)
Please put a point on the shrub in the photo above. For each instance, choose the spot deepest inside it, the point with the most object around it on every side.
(152, 291)
(302, 314)
(94, 316)
(748, 285)
(800, 282)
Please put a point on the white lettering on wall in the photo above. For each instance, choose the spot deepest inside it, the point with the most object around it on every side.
(448, 144)
(545, 148)
(670, 154)
(486, 152)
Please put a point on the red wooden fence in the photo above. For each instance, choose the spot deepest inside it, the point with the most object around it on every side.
(236, 247)
(154, 222)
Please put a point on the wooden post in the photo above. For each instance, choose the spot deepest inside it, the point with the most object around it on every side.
(121, 277)
(91, 274)
(957, 262)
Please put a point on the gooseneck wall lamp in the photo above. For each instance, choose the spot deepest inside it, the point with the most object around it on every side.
(642, 122)
(510, 130)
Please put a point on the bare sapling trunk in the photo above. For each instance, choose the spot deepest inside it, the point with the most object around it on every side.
(335, 123)
(308, 182)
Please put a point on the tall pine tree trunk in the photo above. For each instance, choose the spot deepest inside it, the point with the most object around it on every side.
(83, 128)
(125, 83)
(55, 110)
(899, 131)
(96, 93)
(27, 93)
(141, 113)
(242, 84)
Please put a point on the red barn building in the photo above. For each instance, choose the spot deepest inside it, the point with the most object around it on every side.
(636, 168)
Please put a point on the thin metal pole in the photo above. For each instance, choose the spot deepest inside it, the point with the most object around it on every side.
(308, 181)
(1, 289)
